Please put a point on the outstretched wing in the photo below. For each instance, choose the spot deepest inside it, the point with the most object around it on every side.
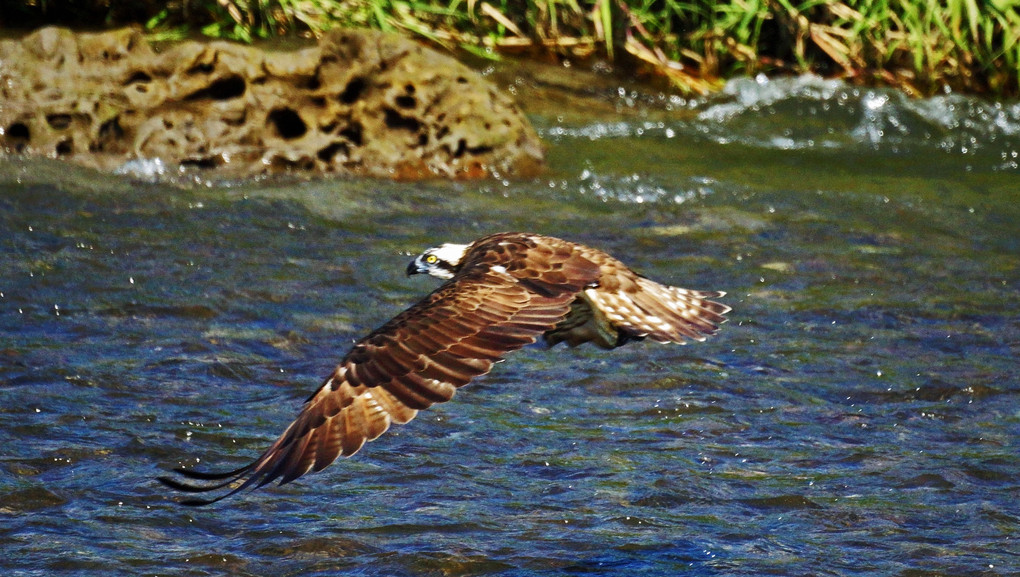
(417, 359)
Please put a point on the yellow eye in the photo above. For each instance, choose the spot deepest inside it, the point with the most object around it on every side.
(432, 259)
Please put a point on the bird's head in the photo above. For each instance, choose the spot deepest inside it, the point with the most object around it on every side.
(442, 261)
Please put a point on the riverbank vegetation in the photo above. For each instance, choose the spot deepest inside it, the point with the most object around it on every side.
(920, 46)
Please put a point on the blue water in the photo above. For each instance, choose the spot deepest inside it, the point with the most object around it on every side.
(857, 416)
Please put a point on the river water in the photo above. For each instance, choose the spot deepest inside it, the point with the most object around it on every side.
(858, 415)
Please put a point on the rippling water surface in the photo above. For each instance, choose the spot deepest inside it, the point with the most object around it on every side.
(859, 415)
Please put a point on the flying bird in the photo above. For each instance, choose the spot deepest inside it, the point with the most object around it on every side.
(502, 292)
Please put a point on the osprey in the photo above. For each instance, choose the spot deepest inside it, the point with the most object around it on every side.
(503, 291)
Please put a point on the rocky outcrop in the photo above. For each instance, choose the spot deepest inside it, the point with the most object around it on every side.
(358, 103)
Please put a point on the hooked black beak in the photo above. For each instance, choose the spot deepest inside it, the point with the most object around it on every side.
(413, 268)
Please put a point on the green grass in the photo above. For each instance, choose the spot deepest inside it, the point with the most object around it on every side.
(921, 46)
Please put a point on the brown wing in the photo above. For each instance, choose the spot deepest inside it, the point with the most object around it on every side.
(625, 306)
(417, 359)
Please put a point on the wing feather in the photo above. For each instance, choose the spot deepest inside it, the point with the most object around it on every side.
(391, 409)
(643, 308)
(331, 438)
(623, 306)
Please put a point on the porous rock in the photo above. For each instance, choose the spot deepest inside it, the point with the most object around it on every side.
(359, 102)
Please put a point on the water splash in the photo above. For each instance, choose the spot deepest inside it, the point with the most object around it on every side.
(809, 112)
